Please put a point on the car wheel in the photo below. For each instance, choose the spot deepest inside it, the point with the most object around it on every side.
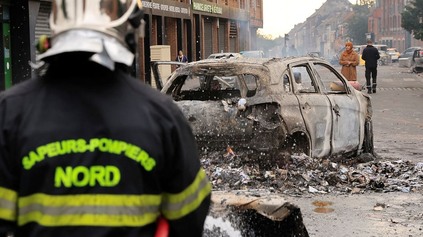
(296, 144)
(368, 137)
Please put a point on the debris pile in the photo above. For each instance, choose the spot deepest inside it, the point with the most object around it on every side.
(300, 174)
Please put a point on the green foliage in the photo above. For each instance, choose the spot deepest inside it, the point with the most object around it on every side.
(412, 18)
(357, 24)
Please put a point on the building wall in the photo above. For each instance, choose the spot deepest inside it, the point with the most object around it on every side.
(385, 24)
(171, 22)
(172, 36)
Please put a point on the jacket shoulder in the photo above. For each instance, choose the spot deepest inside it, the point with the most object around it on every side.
(21, 88)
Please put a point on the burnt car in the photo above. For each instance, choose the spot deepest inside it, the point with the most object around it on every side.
(273, 107)
(417, 61)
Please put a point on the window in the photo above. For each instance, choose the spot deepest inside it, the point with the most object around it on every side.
(286, 83)
(331, 82)
(251, 84)
(242, 4)
(192, 83)
(303, 81)
(214, 87)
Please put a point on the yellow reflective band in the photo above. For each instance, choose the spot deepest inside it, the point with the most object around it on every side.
(89, 210)
(8, 199)
(176, 206)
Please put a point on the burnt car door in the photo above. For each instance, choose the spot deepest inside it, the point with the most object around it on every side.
(161, 71)
(315, 108)
(417, 61)
(346, 116)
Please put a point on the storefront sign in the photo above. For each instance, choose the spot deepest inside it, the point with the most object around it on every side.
(166, 8)
(204, 7)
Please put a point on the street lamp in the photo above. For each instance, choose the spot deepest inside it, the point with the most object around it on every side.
(286, 38)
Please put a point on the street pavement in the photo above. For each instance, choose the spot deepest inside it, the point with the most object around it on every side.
(398, 135)
(398, 113)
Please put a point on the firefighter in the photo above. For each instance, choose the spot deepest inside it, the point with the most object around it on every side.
(86, 149)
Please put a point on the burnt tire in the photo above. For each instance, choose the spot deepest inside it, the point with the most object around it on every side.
(297, 144)
(368, 137)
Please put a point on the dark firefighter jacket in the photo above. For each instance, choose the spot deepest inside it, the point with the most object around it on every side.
(96, 154)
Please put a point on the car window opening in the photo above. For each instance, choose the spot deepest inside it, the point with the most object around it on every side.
(303, 80)
(215, 87)
(332, 82)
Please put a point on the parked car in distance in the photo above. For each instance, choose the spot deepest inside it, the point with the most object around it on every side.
(315, 54)
(384, 58)
(417, 61)
(224, 55)
(406, 57)
(252, 54)
(408, 53)
(273, 107)
(393, 52)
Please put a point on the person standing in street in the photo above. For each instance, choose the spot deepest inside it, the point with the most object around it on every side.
(181, 57)
(349, 60)
(370, 55)
(88, 150)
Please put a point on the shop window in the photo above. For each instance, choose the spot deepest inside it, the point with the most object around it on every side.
(242, 4)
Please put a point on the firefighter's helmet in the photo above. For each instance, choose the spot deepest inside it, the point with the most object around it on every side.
(97, 26)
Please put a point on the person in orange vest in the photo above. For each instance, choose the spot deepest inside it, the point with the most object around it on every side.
(88, 150)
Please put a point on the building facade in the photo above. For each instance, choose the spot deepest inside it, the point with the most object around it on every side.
(325, 31)
(385, 25)
(197, 27)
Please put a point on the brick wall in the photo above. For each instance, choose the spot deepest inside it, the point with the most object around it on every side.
(172, 36)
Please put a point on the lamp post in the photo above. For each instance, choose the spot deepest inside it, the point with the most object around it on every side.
(285, 48)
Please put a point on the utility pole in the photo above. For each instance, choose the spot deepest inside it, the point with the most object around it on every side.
(286, 39)
(285, 48)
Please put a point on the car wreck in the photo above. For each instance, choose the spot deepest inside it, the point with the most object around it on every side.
(273, 107)
(271, 112)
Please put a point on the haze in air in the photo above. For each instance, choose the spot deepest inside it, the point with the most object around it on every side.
(280, 16)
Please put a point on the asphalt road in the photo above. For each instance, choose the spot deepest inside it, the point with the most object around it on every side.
(398, 135)
(398, 113)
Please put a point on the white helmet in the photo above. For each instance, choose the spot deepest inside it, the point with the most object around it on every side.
(97, 26)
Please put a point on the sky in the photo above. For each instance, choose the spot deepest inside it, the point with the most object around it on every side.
(280, 16)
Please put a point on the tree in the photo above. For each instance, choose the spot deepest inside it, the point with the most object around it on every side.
(412, 18)
(357, 24)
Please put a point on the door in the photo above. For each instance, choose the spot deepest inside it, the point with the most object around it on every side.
(222, 36)
(347, 119)
(315, 109)
(208, 37)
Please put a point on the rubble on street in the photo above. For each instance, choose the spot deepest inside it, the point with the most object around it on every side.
(302, 175)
